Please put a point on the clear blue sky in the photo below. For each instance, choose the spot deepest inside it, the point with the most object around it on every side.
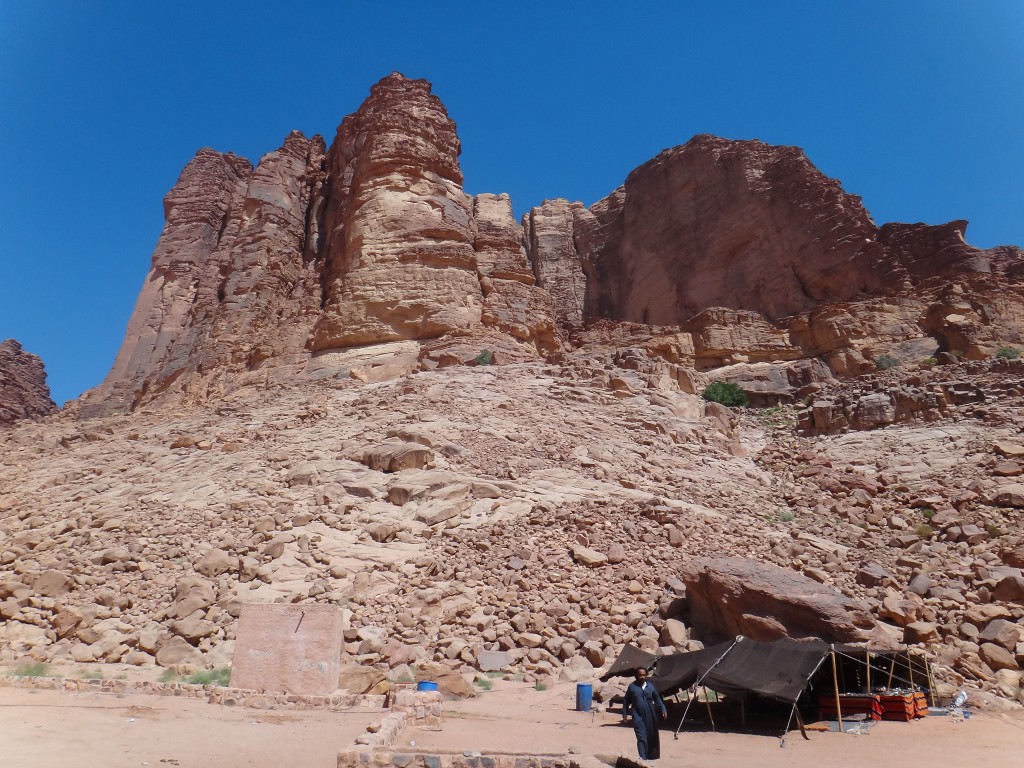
(916, 105)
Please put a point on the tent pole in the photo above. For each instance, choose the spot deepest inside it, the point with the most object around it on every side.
(699, 680)
(835, 684)
(799, 721)
(910, 671)
(782, 740)
(892, 668)
(868, 653)
(931, 680)
(707, 703)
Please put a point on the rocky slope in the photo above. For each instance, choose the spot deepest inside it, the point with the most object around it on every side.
(23, 390)
(548, 512)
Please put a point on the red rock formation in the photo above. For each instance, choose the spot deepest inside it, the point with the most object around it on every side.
(399, 260)
(23, 390)
(556, 261)
(230, 285)
(312, 251)
(744, 252)
(732, 596)
(738, 224)
(760, 256)
(513, 304)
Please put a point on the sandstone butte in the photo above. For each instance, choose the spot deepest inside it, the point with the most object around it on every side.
(303, 411)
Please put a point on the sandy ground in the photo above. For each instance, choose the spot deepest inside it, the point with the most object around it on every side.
(53, 729)
(61, 730)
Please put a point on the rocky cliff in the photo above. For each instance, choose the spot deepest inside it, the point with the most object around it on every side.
(756, 234)
(260, 272)
(23, 390)
(742, 252)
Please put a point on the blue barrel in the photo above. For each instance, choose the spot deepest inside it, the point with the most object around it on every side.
(426, 685)
(584, 697)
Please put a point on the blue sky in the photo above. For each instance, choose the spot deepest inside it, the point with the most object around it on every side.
(917, 106)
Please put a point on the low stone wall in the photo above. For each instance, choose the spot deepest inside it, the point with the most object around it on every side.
(184, 690)
(421, 707)
(237, 697)
(388, 758)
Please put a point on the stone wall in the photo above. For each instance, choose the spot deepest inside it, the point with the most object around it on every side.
(385, 758)
(415, 704)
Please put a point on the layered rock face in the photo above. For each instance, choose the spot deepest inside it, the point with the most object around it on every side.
(231, 284)
(23, 390)
(513, 302)
(719, 223)
(759, 256)
(743, 252)
(313, 251)
(399, 260)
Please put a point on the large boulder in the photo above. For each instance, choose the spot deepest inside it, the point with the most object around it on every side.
(731, 596)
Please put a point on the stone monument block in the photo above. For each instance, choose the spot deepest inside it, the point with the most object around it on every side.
(288, 649)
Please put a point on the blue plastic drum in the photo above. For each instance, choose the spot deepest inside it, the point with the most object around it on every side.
(426, 685)
(584, 697)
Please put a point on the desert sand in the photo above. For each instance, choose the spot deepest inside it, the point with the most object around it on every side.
(83, 730)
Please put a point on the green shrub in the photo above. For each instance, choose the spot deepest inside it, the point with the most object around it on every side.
(726, 393)
(169, 676)
(993, 530)
(928, 362)
(787, 516)
(219, 676)
(1008, 353)
(39, 669)
(486, 357)
(925, 531)
(886, 362)
(539, 686)
(928, 512)
(483, 683)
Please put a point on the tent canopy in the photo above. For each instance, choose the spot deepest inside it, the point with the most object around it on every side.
(778, 670)
(629, 658)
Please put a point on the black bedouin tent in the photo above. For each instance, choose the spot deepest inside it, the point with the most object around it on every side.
(781, 670)
(777, 670)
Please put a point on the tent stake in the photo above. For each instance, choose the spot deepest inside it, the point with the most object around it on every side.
(835, 684)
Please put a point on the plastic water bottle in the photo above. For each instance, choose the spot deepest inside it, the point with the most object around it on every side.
(960, 700)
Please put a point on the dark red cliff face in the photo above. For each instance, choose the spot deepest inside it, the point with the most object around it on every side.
(23, 390)
(746, 226)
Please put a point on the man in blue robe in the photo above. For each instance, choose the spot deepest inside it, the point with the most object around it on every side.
(644, 701)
